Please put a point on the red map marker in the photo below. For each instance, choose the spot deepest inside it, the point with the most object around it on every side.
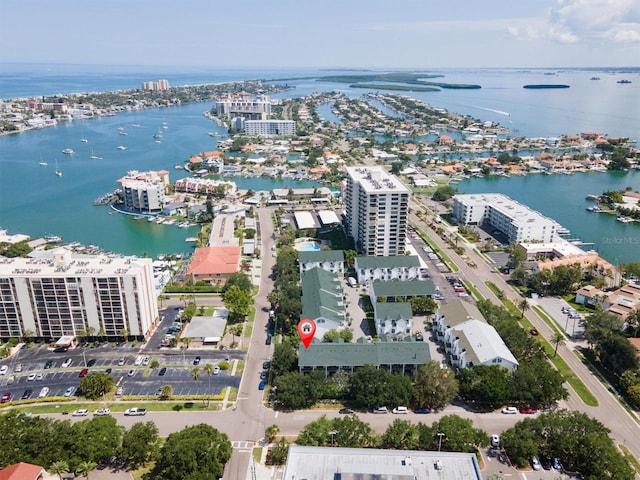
(306, 330)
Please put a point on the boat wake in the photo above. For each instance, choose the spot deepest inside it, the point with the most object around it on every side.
(501, 112)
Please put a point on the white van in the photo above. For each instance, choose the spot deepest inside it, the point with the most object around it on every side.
(352, 282)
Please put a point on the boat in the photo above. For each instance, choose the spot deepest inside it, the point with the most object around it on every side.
(178, 166)
(121, 147)
(68, 151)
(157, 135)
(84, 140)
(595, 78)
(135, 125)
(592, 197)
(94, 156)
(122, 132)
(52, 238)
(624, 219)
(43, 164)
(623, 81)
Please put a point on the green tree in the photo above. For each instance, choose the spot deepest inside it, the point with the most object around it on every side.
(195, 373)
(537, 384)
(345, 334)
(285, 359)
(155, 363)
(96, 440)
(58, 468)
(292, 392)
(193, 452)
(139, 444)
(523, 306)
(401, 435)
(85, 468)
(348, 432)
(485, 386)
(238, 279)
(371, 387)
(166, 391)
(277, 454)
(557, 341)
(96, 385)
(271, 432)
(444, 192)
(238, 302)
(459, 434)
(423, 305)
(434, 386)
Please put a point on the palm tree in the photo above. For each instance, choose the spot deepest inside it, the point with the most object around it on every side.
(59, 467)
(195, 373)
(271, 432)
(85, 468)
(523, 306)
(557, 340)
(208, 369)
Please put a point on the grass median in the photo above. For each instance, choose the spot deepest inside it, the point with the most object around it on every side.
(434, 246)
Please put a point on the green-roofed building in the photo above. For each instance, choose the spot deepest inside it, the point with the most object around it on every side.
(401, 357)
(329, 260)
(397, 267)
(398, 290)
(393, 318)
(323, 301)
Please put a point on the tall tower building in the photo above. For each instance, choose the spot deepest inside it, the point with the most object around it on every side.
(377, 209)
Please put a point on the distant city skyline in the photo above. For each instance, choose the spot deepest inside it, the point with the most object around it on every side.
(329, 34)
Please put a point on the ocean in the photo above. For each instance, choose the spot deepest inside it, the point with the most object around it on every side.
(36, 202)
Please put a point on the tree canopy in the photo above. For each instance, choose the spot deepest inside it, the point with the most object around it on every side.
(434, 386)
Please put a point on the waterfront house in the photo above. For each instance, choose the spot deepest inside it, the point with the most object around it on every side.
(214, 265)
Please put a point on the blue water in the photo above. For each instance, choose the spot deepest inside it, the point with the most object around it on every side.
(308, 247)
(34, 201)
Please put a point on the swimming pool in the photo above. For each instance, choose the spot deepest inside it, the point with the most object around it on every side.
(308, 247)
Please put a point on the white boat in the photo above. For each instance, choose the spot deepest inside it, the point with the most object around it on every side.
(135, 125)
(84, 140)
(43, 164)
(94, 156)
(121, 147)
(58, 172)
(121, 132)
(178, 166)
(68, 151)
(625, 219)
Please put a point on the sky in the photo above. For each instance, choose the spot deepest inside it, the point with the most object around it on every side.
(323, 33)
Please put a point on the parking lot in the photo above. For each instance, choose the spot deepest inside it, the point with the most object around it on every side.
(32, 374)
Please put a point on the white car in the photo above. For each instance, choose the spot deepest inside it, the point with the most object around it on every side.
(145, 361)
(102, 411)
(44, 392)
(39, 377)
(400, 410)
(510, 410)
(216, 370)
(80, 413)
(495, 440)
(67, 363)
(138, 361)
(31, 377)
(4, 369)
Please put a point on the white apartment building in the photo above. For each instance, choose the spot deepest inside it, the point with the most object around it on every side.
(245, 106)
(518, 222)
(56, 293)
(269, 128)
(398, 267)
(144, 192)
(160, 85)
(377, 208)
(331, 261)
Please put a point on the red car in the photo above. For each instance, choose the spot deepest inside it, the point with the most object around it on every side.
(83, 372)
(6, 397)
(528, 410)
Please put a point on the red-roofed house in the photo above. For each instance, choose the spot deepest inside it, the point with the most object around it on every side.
(214, 265)
(22, 471)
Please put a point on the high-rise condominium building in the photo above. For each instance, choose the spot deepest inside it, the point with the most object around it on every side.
(58, 293)
(377, 208)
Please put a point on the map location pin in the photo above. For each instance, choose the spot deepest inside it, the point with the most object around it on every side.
(306, 330)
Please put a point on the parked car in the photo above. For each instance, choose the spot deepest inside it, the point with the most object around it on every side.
(196, 361)
(528, 410)
(18, 368)
(102, 411)
(422, 410)
(121, 362)
(138, 361)
(265, 365)
(381, 410)
(346, 411)
(31, 377)
(69, 391)
(4, 369)
(67, 363)
(495, 440)
(39, 377)
(545, 462)
(131, 373)
(400, 410)
(268, 340)
(83, 373)
(27, 394)
(264, 374)
(510, 410)
(48, 365)
(145, 361)
(162, 371)
(261, 385)
(555, 463)
(216, 370)
(6, 397)
(82, 412)
(535, 463)
(91, 362)
(44, 392)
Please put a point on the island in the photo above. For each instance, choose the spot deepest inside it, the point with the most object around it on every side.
(542, 86)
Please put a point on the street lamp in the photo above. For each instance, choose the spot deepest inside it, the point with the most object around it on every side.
(84, 357)
(440, 435)
(332, 433)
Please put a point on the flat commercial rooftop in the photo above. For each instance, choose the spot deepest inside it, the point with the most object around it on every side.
(377, 464)
(304, 220)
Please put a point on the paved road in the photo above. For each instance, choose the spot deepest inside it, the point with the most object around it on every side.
(625, 429)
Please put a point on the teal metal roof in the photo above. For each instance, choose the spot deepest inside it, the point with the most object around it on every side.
(321, 256)
(400, 288)
(359, 354)
(394, 261)
(322, 296)
(393, 311)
